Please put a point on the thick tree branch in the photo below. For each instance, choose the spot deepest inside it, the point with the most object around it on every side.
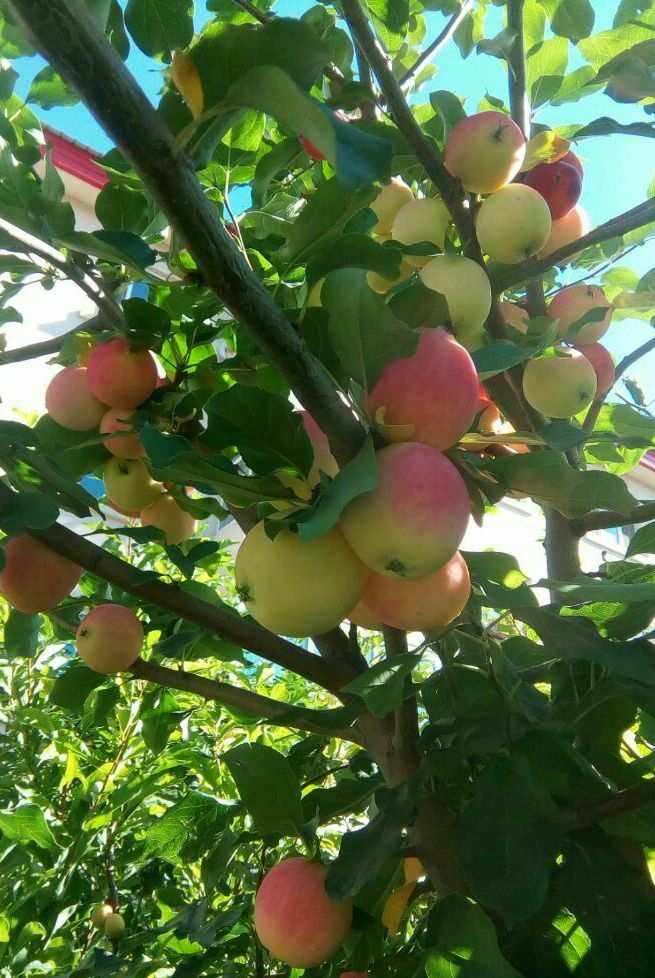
(263, 707)
(635, 218)
(243, 632)
(448, 187)
(65, 34)
(440, 41)
(621, 367)
(518, 96)
(606, 520)
(46, 347)
(620, 803)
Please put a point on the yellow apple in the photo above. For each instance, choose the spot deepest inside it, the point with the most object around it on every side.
(513, 224)
(465, 287)
(560, 385)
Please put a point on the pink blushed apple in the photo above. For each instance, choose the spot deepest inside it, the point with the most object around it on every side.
(485, 151)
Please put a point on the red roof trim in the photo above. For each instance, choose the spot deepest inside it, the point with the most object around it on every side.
(77, 160)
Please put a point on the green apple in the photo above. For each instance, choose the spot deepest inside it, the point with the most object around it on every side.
(128, 483)
(388, 202)
(465, 287)
(561, 384)
(513, 224)
(421, 220)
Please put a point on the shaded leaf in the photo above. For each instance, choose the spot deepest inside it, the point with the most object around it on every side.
(268, 788)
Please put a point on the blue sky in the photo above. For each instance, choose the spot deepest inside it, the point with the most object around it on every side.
(618, 169)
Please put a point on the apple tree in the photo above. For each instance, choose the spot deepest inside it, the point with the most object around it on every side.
(261, 715)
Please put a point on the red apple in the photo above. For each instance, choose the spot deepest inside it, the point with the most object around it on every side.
(560, 184)
(602, 362)
(485, 151)
(310, 149)
(35, 578)
(571, 158)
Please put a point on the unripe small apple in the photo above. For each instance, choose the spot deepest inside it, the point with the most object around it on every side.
(571, 304)
(563, 232)
(513, 224)
(114, 926)
(119, 375)
(418, 221)
(70, 403)
(514, 316)
(100, 914)
(128, 483)
(560, 385)
(127, 446)
(34, 577)
(378, 283)
(166, 515)
(465, 287)
(110, 638)
(602, 362)
(295, 587)
(388, 202)
(485, 151)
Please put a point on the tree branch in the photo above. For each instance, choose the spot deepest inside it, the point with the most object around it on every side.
(243, 632)
(635, 218)
(606, 520)
(620, 803)
(448, 187)
(28, 245)
(65, 34)
(518, 98)
(622, 366)
(262, 707)
(435, 47)
(46, 347)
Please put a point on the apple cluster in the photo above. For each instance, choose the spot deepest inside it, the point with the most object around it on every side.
(392, 560)
(99, 396)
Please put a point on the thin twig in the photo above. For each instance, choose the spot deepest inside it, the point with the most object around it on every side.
(518, 95)
(622, 802)
(440, 41)
(46, 347)
(622, 366)
(607, 520)
(635, 218)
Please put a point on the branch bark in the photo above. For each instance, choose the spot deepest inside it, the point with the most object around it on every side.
(440, 41)
(448, 187)
(635, 218)
(65, 34)
(606, 520)
(620, 803)
(263, 707)
(518, 97)
(46, 347)
(244, 633)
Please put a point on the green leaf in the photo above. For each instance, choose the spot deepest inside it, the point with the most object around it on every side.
(573, 19)
(268, 788)
(363, 331)
(602, 48)
(547, 477)
(120, 247)
(643, 541)
(262, 426)
(27, 824)
(382, 687)
(49, 90)
(576, 638)
(358, 157)
(120, 208)
(159, 27)
(28, 510)
(70, 449)
(546, 65)
(196, 816)
(512, 878)
(562, 435)
(493, 359)
(391, 18)
(471, 30)
(21, 635)
(499, 46)
(349, 796)
(323, 218)
(462, 942)
(591, 590)
(354, 251)
(501, 579)
(73, 685)
(363, 853)
(360, 475)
